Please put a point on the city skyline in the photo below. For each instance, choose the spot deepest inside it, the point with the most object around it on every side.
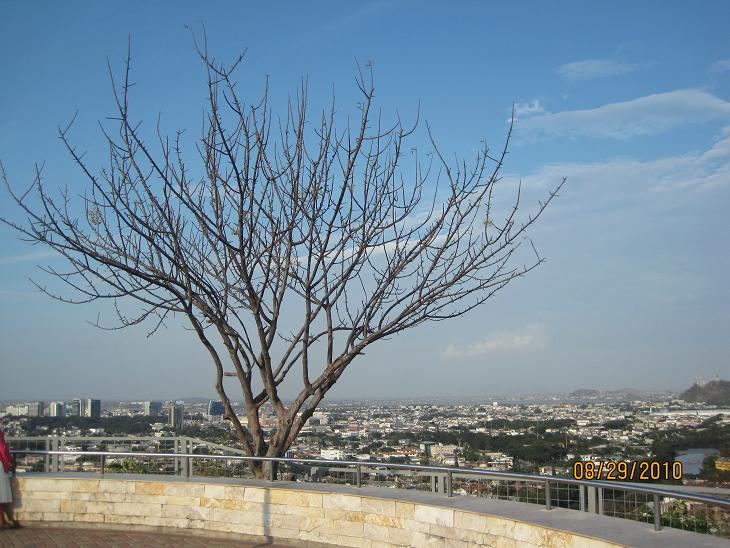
(634, 114)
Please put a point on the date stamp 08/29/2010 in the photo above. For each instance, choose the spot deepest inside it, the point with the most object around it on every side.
(649, 470)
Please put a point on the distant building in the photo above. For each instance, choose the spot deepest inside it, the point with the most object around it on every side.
(17, 410)
(78, 407)
(35, 409)
(92, 408)
(333, 454)
(215, 408)
(175, 419)
(152, 408)
(57, 409)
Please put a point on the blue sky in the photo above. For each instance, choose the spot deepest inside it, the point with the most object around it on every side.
(630, 101)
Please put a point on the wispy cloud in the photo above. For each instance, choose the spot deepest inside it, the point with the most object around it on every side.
(649, 115)
(532, 337)
(528, 108)
(719, 67)
(590, 69)
(33, 256)
(699, 170)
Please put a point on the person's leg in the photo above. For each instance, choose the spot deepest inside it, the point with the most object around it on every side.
(8, 516)
(4, 521)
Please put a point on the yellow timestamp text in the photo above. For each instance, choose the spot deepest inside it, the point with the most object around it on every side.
(645, 470)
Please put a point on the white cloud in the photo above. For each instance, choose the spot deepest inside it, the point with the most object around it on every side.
(593, 68)
(528, 108)
(532, 337)
(33, 256)
(719, 67)
(648, 115)
(698, 170)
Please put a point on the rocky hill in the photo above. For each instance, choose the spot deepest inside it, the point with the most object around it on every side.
(715, 392)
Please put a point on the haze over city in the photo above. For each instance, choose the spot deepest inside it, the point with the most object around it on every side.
(634, 114)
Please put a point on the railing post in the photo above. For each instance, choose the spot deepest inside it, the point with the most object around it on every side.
(449, 484)
(548, 501)
(358, 475)
(582, 498)
(600, 500)
(54, 458)
(47, 458)
(592, 500)
(272, 470)
(189, 460)
(657, 514)
(103, 462)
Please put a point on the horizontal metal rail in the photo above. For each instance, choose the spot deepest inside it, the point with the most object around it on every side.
(448, 471)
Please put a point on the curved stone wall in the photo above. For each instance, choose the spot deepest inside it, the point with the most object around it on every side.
(305, 512)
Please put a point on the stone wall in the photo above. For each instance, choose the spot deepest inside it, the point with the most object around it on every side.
(287, 512)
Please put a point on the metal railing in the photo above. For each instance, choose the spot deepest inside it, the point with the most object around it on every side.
(640, 502)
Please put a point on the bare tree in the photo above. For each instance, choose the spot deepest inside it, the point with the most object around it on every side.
(286, 218)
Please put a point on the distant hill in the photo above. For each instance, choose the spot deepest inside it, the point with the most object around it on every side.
(715, 392)
(584, 393)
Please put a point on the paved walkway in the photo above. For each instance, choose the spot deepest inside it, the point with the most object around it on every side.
(48, 537)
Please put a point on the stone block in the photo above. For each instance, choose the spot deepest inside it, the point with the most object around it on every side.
(454, 533)
(416, 526)
(123, 520)
(23, 515)
(470, 521)
(385, 521)
(294, 498)
(107, 497)
(306, 511)
(54, 485)
(434, 515)
(347, 515)
(179, 523)
(232, 516)
(342, 502)
(404, 509)
(136, 497)
(137, 509)
(223, 526)
(89, 518)
(453, 543)
(500, 527)
(28, 504)
(84, 485)
(45, 495)
(254, 494)
(74, 506)
(214, 491)
(378, 506)
(222, 503)
(184, 489)
(149, 487)
(116, 486)
(234, 492)
(58, 516)
(94, 507)
(375, 532)
(186, 512)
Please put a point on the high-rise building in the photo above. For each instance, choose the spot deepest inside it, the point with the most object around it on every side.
(215, 408)
(77, 408)
(35, 409)
(92, 408)
(175, 418)
(57, 409)
(152, 408)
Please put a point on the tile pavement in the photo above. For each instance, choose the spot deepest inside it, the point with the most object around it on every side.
(51, 537)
